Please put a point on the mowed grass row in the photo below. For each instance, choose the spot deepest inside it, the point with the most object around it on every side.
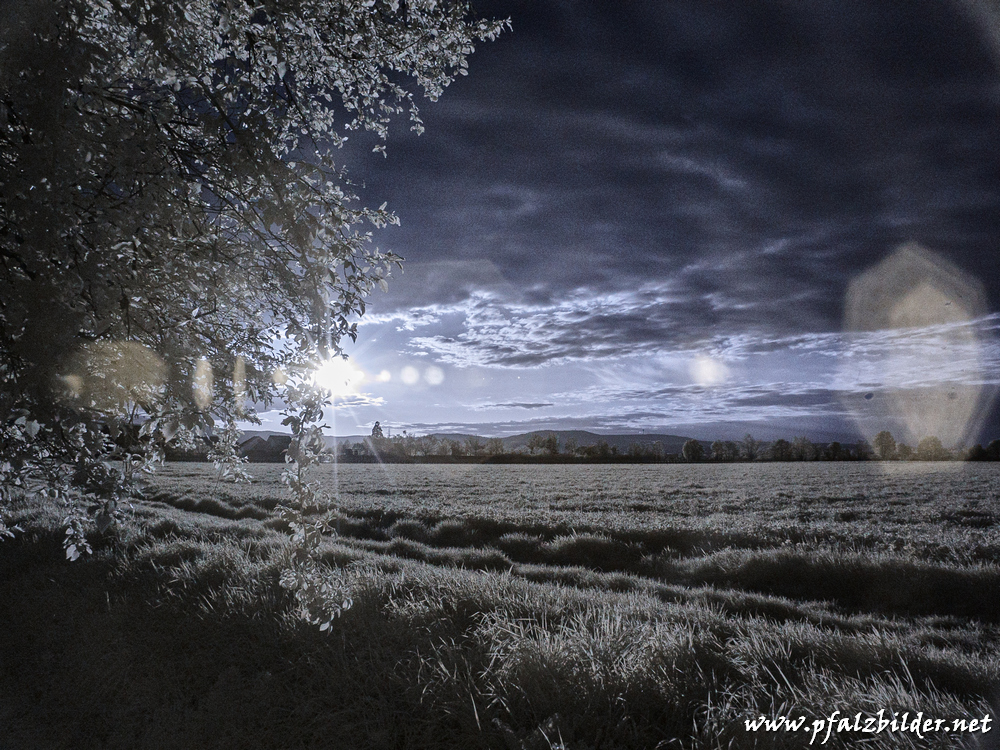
(478, 631)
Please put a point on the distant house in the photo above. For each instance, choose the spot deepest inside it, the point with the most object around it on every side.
(269, 451)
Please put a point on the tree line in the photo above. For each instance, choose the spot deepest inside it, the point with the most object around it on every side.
(542, 447)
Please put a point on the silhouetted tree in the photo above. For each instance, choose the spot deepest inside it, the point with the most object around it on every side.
(993, 450)
(862, 451)
(803, 449)
(750, 448)
(494, 447)
(976, 453)
(377, 431)
(904, 452)
(725, 450)
(834, 452)
(692, 451)
(781, 450)
(885, 445)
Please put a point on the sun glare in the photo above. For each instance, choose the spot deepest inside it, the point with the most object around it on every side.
(338, 376)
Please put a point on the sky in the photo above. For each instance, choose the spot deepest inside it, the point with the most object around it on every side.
(695, 218)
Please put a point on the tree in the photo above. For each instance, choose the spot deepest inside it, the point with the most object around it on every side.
(473, 445)
(885, 446)
(693, 451)
(904, 452)
(781, 450)
(993, 451)
(495, 447)
(803, 449)
(535, 442)
(750, 448)
(862, 451)
(725, 450)
(377, 431)
(930, 449)
(976, 453)
(171, 201)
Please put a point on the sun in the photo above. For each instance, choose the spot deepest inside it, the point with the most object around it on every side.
(338, 376)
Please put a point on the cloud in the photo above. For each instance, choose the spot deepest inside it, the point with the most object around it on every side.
(515, 405)
(637, 199)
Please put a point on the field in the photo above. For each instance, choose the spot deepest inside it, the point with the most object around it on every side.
(516, 607)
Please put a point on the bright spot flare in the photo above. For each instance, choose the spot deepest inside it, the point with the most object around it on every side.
(434, 375)
(108, 375)
(707, 371)
(239, 382)
(384, 377)
(410, 375)
(202, 384)
(912, 318)
(338, 376)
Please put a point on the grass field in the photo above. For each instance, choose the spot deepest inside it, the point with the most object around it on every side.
(516, 607)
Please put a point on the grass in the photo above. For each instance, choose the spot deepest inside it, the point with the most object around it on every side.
(538, 612)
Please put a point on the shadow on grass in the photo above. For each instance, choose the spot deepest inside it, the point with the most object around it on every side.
(180, 643)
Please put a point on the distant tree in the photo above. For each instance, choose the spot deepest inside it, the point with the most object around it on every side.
(803, 449)
(885, 446)
(862, 451)
(975, 453)
(834, 452)
(993, 451)
(904, 452)
(535, 442)
(930, 449)
(473, 445)
(551, 445)
(750, 448)
(725, 450)
(781, 450)
(570, 446)
(602, 449)
(377, 431)
(494, 447)
(693, 451)
(636, 450)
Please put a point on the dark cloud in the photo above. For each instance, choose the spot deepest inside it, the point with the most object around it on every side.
(747, 151)
(644, 182)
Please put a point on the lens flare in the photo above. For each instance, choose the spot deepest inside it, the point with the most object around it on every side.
(203, 384)
(915, 359)
(108, 375)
